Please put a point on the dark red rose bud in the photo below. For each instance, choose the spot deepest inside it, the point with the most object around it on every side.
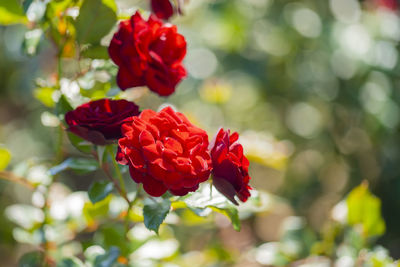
(148, 53)
(165, 151)
(162, 8)
(100, 121)
(230, 167)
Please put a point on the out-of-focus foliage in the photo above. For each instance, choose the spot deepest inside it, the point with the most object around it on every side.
(311, 86)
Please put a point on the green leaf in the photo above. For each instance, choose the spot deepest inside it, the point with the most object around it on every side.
(99, 191)
(70, 262)
(95, 52)
(45, 95)
(5, 158)
(365, 209)
(31, 259)
(26, 4)
(154, 212)
(11, 12)
(92, 212)
(78, 165)
(108, 259)
(63, 106)
(230, 212)
(96, 18)
(203, 201)
(80, 143)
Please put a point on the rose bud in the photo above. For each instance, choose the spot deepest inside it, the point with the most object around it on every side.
(162, 8)
(230, 167)
(99, 122)
(148, 53)
(165, 151)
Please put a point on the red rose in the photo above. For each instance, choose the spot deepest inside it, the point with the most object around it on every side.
(162, 8)
(148, 53)
(230, 167)
(389, 4)
(100, 121)
(165, 151)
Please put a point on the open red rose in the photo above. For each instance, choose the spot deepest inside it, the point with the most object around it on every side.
(165, 151)
(162, 8)
(148, 53)
(230, 167)
(100, 121)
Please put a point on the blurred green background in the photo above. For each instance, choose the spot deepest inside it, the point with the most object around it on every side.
(313, 88)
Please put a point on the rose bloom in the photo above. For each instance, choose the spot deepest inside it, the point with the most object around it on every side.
(230, 167)
(100, 121)
(388, 4)
(148, 53)
(165, 151)
(162, 8)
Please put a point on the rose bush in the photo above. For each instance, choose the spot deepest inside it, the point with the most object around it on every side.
(165, 151)
(230, 166)
(100, 121)
(148, 53)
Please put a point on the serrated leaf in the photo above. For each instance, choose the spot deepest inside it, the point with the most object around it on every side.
(365, 209)
(107, 259)
(11, 12)
(78, 165)
(31, 259)
(96, 18)
(154, 212)
(70, 262)
(5, 158)
(99, 191)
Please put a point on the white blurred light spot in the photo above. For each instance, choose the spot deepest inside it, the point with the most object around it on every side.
(373, 97)
(385, 55)
(38, 199)
(270, 39)
(307, 22)
(155, 249)
(266, 253)
(140, 232)
(390, 24)
(356, 40)
(36, 10)
(345, 261)
(292, 223)
(24, 215)
(304, 120)
(342, 65)
(389, 116)
(347, 11)
(201, 63)
(69, 88)
(339, 212)
(49, 120)
(39, 175)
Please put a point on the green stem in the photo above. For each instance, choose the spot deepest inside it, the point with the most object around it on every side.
(117, 171)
